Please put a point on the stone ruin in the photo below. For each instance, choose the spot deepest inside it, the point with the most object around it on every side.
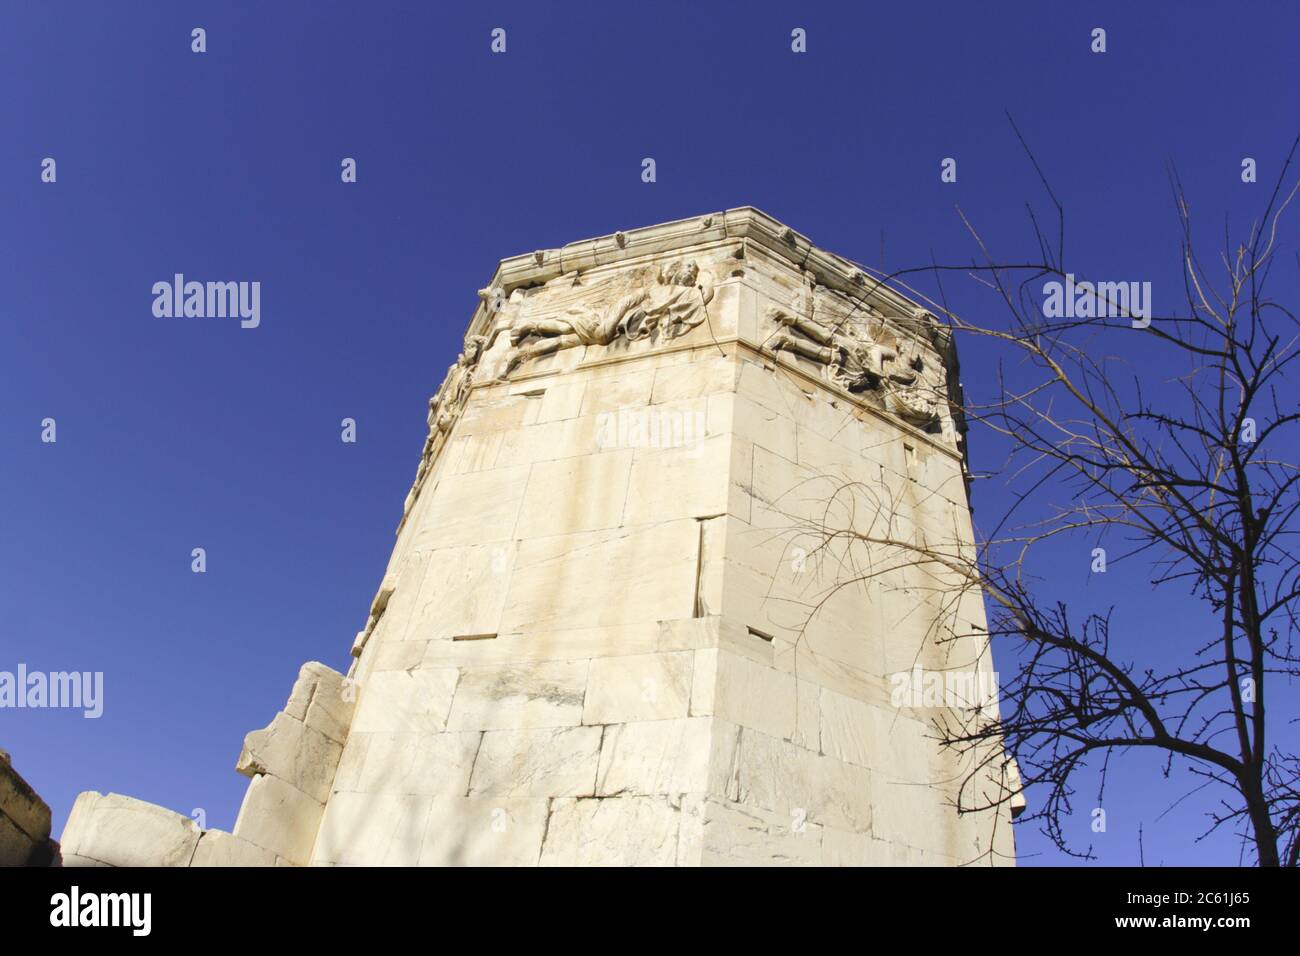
(613, 629)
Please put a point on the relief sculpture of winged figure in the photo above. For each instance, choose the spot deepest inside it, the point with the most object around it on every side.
(672, 304)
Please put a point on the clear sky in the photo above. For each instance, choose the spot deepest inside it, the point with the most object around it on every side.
(176, 434)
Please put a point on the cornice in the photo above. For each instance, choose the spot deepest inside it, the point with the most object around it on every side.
(744, 222)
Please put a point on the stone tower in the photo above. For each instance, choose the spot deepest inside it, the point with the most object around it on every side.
(638, 610)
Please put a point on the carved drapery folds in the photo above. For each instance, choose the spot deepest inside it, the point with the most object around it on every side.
(860, 358)
(670, 304)
(444, 407)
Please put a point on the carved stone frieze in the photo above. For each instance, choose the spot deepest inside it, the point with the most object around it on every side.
(664, 302)
(444, 407)
(668, 302)
(861, 354)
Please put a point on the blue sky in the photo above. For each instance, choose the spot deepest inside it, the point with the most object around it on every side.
(180, 434)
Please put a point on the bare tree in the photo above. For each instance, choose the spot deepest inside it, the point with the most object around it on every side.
(1194, 481)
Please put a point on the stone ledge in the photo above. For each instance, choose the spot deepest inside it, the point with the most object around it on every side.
(115, 830)
(743, 222)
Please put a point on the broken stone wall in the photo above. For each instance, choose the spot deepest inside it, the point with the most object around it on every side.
(24, 821)
(291, 763)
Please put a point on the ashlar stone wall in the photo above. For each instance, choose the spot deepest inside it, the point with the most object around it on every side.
(608, 634)
(652, 589)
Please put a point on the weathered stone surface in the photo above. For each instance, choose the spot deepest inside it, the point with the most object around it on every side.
(601, 578)
(463, 593)
(894, 819)
(675, 383)
(753, 695)
(217, 848)
(550, 506)
(405, 702)
(844, 848)
(24, 819)
(618, 831)
(473, 509)
(296, 753)
(292, 764)
(704, 682)
(407, 574)
(490, 831)
(121, 831)
(568, 644)
(779, 776)
(691, 755)
(618, 388)
(677, 482)
(561, 401)
(549, 762)
(398, 655)
(372, 829)
(15, 846)
(320, 700)
(640, 687)
(408, 763)
(739, 835)
(542, 694)
(900, 748)
(278, 817)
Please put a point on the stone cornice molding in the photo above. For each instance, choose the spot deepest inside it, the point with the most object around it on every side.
(744, 222)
